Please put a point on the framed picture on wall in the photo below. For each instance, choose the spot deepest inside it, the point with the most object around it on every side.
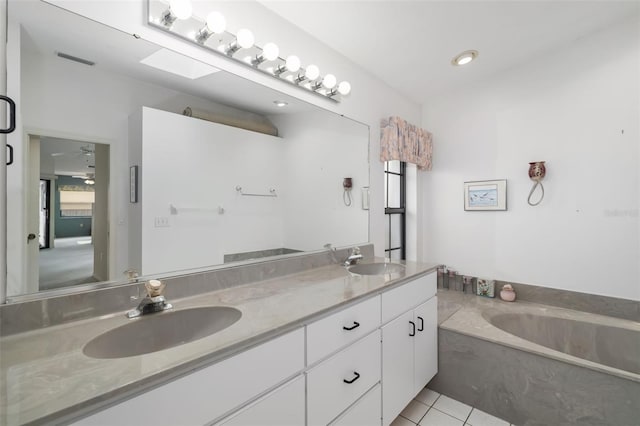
(485, 195)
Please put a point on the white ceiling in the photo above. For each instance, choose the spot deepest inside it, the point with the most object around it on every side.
(410, 44)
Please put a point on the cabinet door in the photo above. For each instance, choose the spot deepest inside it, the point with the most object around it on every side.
(282, 407)
(397, 366)
(365, 412)
(426, 343)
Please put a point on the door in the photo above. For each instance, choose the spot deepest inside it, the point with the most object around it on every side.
(426, 343)
(31, 237)
(397, 366)
(45, 207)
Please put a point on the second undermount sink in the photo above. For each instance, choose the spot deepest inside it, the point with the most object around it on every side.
(379, 268)
(155, 332)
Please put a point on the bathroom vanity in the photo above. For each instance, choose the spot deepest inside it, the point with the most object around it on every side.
(314, 347)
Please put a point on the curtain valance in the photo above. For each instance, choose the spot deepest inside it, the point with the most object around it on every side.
(400, 140)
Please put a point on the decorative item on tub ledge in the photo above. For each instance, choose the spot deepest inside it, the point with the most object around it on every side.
(507, 293)
(485, 287)
(176, 17)
(485, 195)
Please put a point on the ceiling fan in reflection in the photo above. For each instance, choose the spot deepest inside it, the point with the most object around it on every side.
(84, 151)
(89, 178)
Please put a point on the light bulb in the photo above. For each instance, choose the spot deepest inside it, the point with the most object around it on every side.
(344, 88)
(329, 81)
(216, 22)
(182, 9)
(463, 60)
(292, 63)
(270, 51)
(245, 38)
(465, 57)
(312, 72)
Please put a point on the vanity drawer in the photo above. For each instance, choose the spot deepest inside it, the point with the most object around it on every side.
(207, 394)
(328, 393)
(340, 329)
(366, 412)
(399, 300)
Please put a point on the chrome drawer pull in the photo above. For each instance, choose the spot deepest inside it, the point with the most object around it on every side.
(357, 376)
(353, 327)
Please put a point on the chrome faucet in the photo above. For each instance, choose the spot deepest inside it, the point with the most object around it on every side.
(154, 301)
(353, 257)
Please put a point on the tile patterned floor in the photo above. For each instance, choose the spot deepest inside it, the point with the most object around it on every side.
(429, 408)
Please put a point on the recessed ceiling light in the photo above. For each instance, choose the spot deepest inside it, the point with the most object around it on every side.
(465, 57)
(281, 104)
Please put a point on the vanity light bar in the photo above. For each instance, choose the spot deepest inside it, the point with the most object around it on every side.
(211, 34)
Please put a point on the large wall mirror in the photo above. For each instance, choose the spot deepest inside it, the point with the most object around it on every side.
(132, 157)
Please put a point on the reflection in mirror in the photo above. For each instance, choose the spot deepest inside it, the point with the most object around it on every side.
(73, 186)
(225, 173)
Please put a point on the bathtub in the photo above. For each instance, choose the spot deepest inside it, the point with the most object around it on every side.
(533, 364)
(616, 347)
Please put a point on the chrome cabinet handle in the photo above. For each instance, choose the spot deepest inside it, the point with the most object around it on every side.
(355, 325)
(357, 376)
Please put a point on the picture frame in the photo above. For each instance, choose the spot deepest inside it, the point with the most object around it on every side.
(485, 195)
(133, 184)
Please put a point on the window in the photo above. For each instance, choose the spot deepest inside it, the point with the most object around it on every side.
(76, 203)
(395, 209)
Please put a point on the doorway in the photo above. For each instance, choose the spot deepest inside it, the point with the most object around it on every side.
(71, 212)
(44, 217)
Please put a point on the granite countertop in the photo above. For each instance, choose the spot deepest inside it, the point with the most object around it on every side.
(469, 315)
(45, 377)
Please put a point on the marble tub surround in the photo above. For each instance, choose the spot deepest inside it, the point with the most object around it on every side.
(596, 304)
(527, 389)
(525, 382)
(52, 310)
(473, 318)
(46, 378)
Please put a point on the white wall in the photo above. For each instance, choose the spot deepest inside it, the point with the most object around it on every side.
(370, 100)
(578, 110)
(320, 150)
(195, 166)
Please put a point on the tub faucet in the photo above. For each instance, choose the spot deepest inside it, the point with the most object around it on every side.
(154, 301)
(353, 257)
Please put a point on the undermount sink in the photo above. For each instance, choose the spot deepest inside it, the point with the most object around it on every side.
(155, 332)
(376, 268)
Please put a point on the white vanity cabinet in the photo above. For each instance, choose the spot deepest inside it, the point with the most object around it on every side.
(282, 407)
(359, 366)
(205, 395)
(336, 380)
(365, 412)
(409, 343)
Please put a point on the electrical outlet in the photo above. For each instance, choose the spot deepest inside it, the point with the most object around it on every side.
(161, 222)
